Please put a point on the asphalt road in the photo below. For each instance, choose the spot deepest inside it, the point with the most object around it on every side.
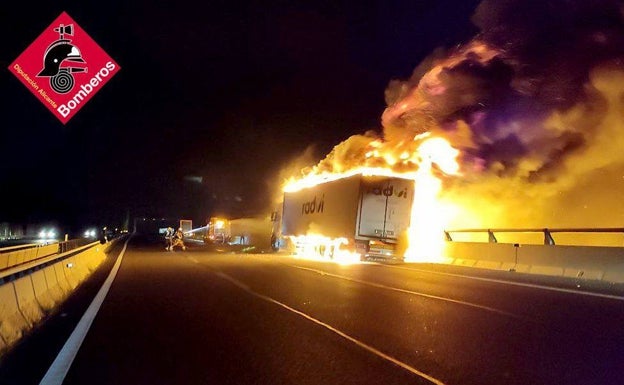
(209, 316)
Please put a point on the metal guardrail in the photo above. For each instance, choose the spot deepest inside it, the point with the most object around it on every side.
(548, 239)
(72, 244)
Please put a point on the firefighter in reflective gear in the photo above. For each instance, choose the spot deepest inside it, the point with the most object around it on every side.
(178, 239)
(169, 237)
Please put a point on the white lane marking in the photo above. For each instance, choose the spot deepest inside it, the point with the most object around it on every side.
(236, 282)
(193, 259)
(333, 329)
(531, 285)
(59, 368)
(405, 291)
(500, 281)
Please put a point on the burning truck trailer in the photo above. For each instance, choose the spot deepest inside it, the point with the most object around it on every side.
(363, 217)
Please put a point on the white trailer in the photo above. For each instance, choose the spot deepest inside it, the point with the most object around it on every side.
(372, 212)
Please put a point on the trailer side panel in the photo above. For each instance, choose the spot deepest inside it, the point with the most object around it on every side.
(329, 209)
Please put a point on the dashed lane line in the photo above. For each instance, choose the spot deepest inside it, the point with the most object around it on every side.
(411, 292)
(502, 282)
(342, 334)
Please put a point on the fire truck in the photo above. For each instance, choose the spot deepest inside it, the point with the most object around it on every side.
(218, 230)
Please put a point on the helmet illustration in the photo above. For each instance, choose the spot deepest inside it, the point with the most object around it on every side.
(57, 53)
(60, 51)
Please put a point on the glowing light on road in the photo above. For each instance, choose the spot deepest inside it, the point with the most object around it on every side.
(321, 248)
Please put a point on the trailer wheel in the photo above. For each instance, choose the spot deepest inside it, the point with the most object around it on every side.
(274, 243)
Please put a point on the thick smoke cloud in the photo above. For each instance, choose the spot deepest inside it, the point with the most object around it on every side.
(534, 102)
(530, 60)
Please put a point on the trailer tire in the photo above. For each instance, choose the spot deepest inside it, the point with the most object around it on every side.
(274, 243)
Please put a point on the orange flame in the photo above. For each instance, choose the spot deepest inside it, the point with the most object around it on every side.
(319, 247)
(414, 161)
(430, 216)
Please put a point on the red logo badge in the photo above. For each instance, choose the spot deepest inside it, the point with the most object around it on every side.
(64, 67)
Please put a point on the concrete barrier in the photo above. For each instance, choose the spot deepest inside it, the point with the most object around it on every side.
(42, 292)
(87, 262)
(584, 262)
(20, 256)
(72, 273)
(98, 256)
(17, 257)
(3, 344)
(4, 261)
(577, 261)
(12, 321)
(43, 251)
(480, 254)
(55, 291)
(62, 278)
(27, 301)
(13, 258)
(79, 270)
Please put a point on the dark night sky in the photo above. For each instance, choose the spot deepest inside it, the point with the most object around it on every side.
(226, 90)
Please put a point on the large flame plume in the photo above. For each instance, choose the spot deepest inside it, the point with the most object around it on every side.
(532, 109)
(534, 104)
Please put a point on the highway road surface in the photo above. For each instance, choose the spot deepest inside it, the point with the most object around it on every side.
(210, 316)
